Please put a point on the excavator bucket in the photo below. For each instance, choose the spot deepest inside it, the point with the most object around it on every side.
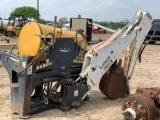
(113, 83)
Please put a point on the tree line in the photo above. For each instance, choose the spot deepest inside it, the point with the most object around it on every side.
(32, 13)
(114, 25)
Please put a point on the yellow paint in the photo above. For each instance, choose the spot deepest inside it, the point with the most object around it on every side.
(14, 29)
(29, 41)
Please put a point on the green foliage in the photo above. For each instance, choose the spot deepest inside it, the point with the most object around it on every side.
(104, 23)
(115, 25)
(42, 21)
(27, 11)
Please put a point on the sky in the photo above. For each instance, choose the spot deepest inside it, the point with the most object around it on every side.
(98, 10)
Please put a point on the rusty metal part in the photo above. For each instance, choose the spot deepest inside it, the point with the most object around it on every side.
(139, 107)
(128, 58)
(113, 83)
(153, 92)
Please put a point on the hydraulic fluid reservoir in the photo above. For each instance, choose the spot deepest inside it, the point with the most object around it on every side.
(29, 41)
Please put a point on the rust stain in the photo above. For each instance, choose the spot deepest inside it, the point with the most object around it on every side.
(128, 58)
(153, 92)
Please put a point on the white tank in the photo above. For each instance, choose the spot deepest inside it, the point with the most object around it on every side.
(3, 24)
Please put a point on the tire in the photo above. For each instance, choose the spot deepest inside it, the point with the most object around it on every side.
(11, 34)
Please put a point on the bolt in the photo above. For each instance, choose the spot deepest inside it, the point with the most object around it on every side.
(140, 29)
(96, 54)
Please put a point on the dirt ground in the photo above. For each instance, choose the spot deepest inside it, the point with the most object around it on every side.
(98, 107)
